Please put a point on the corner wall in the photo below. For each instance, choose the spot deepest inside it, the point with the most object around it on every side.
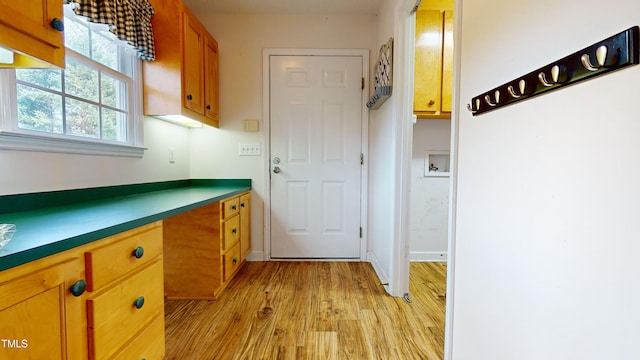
(546, 244)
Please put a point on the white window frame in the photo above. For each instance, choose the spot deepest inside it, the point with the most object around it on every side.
(14, 138)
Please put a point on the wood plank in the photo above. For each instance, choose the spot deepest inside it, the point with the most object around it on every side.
(312, 310)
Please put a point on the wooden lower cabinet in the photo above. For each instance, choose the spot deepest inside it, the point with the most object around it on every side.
(245, 225)
(203, 248)
(39, 316)
(103, 300)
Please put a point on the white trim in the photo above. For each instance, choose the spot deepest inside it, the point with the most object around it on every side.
(453, 180)
(266, 54)
(266, 116)
(379, 269)
(428, 256)
(403, 77)
(65, 145)
(256, 256)
(404, 45)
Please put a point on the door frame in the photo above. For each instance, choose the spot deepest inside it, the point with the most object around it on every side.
(266, 115)
(405, 31)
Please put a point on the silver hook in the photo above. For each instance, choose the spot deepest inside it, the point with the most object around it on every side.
(601, 58)
(471, 109)
(487, 99)
(555, 73)
(543, 79)
(521, 85)
(513, 92)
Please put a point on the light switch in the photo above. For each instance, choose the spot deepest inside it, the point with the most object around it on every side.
(250, 149)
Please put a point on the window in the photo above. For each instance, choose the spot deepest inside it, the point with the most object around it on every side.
(89, 107)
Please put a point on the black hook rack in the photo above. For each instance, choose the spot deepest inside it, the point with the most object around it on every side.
(608, 55)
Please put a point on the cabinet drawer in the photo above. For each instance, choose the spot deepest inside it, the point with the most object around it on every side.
(231, 233)
(114, 315)
(230, 207)
(147, 345)
(109, 262)
(232, 261)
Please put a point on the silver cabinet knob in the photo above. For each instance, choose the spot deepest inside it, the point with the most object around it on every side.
(276, 169)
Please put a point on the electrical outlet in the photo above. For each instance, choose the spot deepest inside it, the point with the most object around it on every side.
(250, 149)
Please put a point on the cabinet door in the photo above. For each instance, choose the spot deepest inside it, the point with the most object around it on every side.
(193, 64)
(40, 318)
(447, 61)
(211, 80)
(428, 61)
(25, 26)
(245, 225)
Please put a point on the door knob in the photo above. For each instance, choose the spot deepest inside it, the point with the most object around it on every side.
(276, 169)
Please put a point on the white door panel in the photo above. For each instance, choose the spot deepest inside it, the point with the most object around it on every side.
(315, 144)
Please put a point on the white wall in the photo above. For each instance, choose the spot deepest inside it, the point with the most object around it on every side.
(381, 164)
(241, 39)
(26, 172)
(429, 195)
(546, 245)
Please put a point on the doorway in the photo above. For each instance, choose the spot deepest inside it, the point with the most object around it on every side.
(316, 147)
(407, 30)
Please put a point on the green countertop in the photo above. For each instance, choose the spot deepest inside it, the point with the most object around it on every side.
(87, 215)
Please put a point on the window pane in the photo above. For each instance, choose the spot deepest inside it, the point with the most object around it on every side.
(114, 92)
(82, 118)
(81, 80)
(39, 110)
(76, 36)
(48, 79)
(104, 51)
(114, 125)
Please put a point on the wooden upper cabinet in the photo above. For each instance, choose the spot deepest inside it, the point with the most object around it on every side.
(433, 64)
(193, 63)
(33, 30)
(179, 81)
(447, 61)
(211, 77)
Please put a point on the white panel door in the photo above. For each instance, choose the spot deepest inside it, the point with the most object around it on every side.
(316, 115)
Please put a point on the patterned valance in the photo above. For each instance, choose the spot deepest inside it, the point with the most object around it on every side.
(129, 20)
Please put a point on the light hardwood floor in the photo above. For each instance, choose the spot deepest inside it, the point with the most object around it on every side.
(312, 310)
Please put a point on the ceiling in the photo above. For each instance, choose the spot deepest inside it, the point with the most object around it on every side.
(285, 6)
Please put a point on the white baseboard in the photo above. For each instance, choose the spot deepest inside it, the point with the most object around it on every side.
(256, 256)
(428, 256)
(384, 278)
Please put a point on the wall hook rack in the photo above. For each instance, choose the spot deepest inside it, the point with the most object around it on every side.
(613, 53)
(384, 76)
